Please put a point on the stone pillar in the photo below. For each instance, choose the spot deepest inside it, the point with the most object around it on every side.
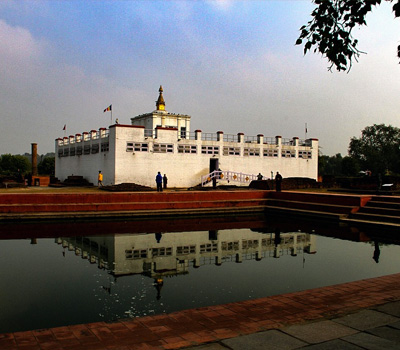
(197, 134)
(240, 137)
(34, 159)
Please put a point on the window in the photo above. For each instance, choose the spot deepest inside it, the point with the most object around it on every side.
(72, 151)
(129, 146)
(135, 254)
(270, 152)
(141, 147)
(209, 248)
(105, 146)
(249, 151)
(95, 148)
(162, 251)
(209, 149)
(251, 243)
(66, 152)
(137, 147)
(187, 149)
(78, 150)
(60, 152)
(288, 154)
(231, 151)
(183, 132)
(230, 245)
(163, 148)
(305, 154)
(184, 250)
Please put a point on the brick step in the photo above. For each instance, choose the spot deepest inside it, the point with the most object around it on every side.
(375, 217)
(323, 198)
(142, 214)
(318, 207)
(61, 198)
(386, 199)
(380, 211)
(304, 213)
(381, 204)
(126, 206)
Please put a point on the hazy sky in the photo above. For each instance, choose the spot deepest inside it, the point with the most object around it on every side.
(231, 65)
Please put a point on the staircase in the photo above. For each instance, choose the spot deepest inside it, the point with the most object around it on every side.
(305, 204)
(381, 209)
(124, 204)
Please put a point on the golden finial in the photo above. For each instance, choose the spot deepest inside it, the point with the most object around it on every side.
(160, 103)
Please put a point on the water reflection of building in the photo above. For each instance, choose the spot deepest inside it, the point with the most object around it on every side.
(172, 253)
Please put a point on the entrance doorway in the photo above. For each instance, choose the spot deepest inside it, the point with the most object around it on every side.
(214, 164)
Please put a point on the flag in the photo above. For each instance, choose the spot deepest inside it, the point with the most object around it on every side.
(108, 108)
(65, 127)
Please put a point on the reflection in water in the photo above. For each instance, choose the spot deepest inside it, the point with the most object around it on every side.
(140, 254)
(147, 268)
(377, 252)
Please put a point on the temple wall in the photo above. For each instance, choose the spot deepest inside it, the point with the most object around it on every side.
(132, 156)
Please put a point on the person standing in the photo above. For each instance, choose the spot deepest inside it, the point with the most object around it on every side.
(159, 180)
(165, 181)
(278, 181)
(100, 179)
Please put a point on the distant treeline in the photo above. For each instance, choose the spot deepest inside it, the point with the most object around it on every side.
(21, 165)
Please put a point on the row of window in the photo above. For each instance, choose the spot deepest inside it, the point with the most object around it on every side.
(188, 149)
(211, 247)
(87, 149)
(227, 151)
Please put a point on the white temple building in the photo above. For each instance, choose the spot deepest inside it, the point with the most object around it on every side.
(163, 142)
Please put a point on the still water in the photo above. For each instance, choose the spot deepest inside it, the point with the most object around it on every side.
(70, 273)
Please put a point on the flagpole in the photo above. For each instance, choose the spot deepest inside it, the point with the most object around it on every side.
(111, 114)
(305, 132)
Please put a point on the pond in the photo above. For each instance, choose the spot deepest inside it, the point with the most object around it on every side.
(70, 273)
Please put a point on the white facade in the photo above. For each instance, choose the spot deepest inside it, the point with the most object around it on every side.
(161, 141)
(174, 252)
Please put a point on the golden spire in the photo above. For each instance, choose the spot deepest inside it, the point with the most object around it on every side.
(160, 103)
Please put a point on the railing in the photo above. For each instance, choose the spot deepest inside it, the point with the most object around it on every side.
(208, 136)
(230, 138)
(287, 142)
(86, 137)
(152, 133)
(228, 176)
(269, 140)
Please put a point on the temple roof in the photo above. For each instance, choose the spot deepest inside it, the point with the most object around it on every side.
(160, 103)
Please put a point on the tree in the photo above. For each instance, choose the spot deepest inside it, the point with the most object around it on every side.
(12, 165)
(330, 165)
(378, 148)
(47, 166)
(350, 166)
(330, 30)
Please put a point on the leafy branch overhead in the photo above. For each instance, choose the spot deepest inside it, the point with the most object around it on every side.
(329, 31)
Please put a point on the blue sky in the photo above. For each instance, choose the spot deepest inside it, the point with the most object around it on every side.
(231, 65)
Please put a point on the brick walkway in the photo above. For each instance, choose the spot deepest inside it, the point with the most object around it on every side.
(212, 324)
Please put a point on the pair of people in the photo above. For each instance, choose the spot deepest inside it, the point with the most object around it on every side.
(160, 181)
(278, 180)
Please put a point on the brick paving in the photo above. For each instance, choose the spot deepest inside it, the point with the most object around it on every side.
(190, 328)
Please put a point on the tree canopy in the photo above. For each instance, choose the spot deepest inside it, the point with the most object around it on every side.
(47, 166)
(378, 149)
(330, 30)
(12, 165)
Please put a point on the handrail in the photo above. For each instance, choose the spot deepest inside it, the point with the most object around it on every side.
(228, 176)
